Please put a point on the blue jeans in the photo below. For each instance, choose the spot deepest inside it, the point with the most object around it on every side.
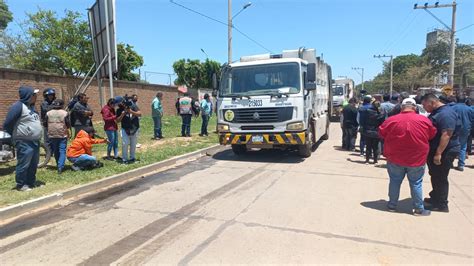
(415, 178)
(112, 136)
(58, 148)
(157, 127)
(463, 136)
(205, 122)
(186, 126)
(83, 161)
(27, 158)
(129, 141)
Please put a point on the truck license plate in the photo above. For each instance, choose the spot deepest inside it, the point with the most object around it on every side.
(256, 139)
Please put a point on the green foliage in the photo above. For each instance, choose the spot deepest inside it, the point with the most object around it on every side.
(128, 60)
(437, 56)
(62, 46)
(5, 15)
(195, 74)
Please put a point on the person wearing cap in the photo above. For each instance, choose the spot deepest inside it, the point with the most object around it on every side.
(398, 108)
(407, 137)
(82, 113)
(110, 127)
(58, 125)
(80, 151)
(444, 148)
(24, 124)
(205, 114)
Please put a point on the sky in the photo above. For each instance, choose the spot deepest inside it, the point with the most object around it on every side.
(345, 33)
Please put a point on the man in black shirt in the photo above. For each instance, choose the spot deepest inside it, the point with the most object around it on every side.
(128, 114)
(444, 147)
(350, 125)
(81, 116)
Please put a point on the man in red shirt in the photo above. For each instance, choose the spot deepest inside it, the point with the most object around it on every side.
(406, 147)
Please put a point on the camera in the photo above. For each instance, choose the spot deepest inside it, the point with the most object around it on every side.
(127, 101)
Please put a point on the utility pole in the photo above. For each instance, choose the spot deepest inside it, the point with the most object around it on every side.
(452, 31)
(361, 74)
(229, 32)
(391, 70)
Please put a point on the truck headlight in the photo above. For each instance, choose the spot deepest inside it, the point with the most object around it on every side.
(295, 126)
(222, 128)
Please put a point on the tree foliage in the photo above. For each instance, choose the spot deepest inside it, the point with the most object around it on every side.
(62, 46)
(5, 15)
(128, 60)
(195, 74)
(412, 71)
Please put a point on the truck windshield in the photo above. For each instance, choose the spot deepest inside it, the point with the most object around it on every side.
(338, 91)
(283, 78)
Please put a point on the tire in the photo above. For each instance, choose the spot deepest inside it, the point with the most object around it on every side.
(306, 150)
(45, 155)
(239, 149)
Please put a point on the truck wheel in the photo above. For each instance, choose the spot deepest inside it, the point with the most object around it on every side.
(239, 149)
(305, 150)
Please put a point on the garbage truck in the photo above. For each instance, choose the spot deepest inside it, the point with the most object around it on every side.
(342, 91)
(274, 101)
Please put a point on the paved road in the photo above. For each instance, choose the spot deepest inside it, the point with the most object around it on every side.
(267, 207)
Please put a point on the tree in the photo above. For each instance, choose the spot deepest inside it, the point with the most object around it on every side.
(5, 15)
(128, 60)
(195, 74)
(62, 46)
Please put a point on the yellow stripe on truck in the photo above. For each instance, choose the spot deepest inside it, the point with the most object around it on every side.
(279, 138)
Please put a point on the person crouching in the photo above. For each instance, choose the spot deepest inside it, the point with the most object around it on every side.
(80, 151)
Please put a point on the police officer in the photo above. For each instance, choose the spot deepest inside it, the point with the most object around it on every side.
(184, 106)
(49, 96)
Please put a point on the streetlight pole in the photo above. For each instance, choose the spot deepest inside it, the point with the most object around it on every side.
(204, 52)
(362, 75)
(452, 31)
(391, 70)
(230, 18)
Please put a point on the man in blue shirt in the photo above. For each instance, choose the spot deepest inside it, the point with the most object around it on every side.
(444, 147)
(466, 114)
(205, 114)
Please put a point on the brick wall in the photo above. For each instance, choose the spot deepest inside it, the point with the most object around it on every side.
(12, 79)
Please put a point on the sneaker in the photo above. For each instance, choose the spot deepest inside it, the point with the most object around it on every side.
(438, 208)
(201, 135)
(421, 212)
(428, 200)
(23, 188)
(109, 158)
(367, 162)
(391, 209)
(76, 168)
(459, 168)
(138, 145)
(60, 171)
(98, 164)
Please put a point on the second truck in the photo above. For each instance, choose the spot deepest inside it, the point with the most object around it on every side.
(275, 102)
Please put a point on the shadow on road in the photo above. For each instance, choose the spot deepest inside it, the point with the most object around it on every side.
(404, 206)
(262, 156)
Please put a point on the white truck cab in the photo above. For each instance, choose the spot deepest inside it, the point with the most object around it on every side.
(274, 101)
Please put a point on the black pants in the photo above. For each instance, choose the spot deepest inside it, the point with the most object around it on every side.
(186, 126)
(469, 142)
(371, 148)
(439, 178)
(350, 136)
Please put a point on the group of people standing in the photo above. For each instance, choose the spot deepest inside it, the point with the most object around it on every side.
(409, 138)
(56, 120)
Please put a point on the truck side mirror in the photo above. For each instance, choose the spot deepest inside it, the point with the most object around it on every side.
(214, 81)
(311, 69)
(310, 86)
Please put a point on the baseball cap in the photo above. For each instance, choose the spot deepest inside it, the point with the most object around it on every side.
(409, 101)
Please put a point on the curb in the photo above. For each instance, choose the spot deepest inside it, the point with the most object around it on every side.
(18, 210)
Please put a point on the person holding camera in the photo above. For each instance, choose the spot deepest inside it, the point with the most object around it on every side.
(81, 113)
(128, 115)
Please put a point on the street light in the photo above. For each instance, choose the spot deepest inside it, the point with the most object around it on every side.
(204, 52)
(230, 26)
(391, 69)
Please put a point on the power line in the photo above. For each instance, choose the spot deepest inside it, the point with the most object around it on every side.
(223, 23)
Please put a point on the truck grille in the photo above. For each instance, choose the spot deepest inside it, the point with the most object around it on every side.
(262, 115)
(262, 127)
